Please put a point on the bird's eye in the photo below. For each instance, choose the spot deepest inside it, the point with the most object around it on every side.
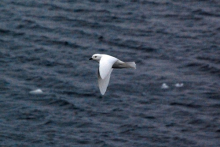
(95, 56)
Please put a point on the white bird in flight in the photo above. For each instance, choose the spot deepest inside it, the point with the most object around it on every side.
(106, 65)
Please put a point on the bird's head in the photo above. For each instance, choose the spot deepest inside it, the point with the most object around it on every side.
(96, 57)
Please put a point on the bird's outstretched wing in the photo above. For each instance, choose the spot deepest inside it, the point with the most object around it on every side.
(103, 83)
(105, 65)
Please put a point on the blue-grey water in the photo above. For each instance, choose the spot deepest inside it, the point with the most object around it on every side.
(46, 44)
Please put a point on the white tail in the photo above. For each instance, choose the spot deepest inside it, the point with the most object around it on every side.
(131, 64)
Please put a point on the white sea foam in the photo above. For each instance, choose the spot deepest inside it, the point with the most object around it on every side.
(37, 91)
(178, 85)
(164, 86)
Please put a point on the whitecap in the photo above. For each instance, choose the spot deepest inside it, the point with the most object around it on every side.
(164, 86)
(178, 85)
(37, 91)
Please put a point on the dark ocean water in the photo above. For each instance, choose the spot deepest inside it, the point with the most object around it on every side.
(46, 44)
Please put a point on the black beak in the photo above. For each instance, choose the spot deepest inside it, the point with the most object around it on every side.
(90, 58)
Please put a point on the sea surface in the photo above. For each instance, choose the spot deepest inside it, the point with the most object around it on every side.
(172, 99)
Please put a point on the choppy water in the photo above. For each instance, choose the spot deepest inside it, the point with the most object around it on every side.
(46, 44)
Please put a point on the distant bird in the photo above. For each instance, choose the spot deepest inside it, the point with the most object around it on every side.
(106, 65)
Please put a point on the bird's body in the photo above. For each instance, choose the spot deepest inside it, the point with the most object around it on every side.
(106, 65)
